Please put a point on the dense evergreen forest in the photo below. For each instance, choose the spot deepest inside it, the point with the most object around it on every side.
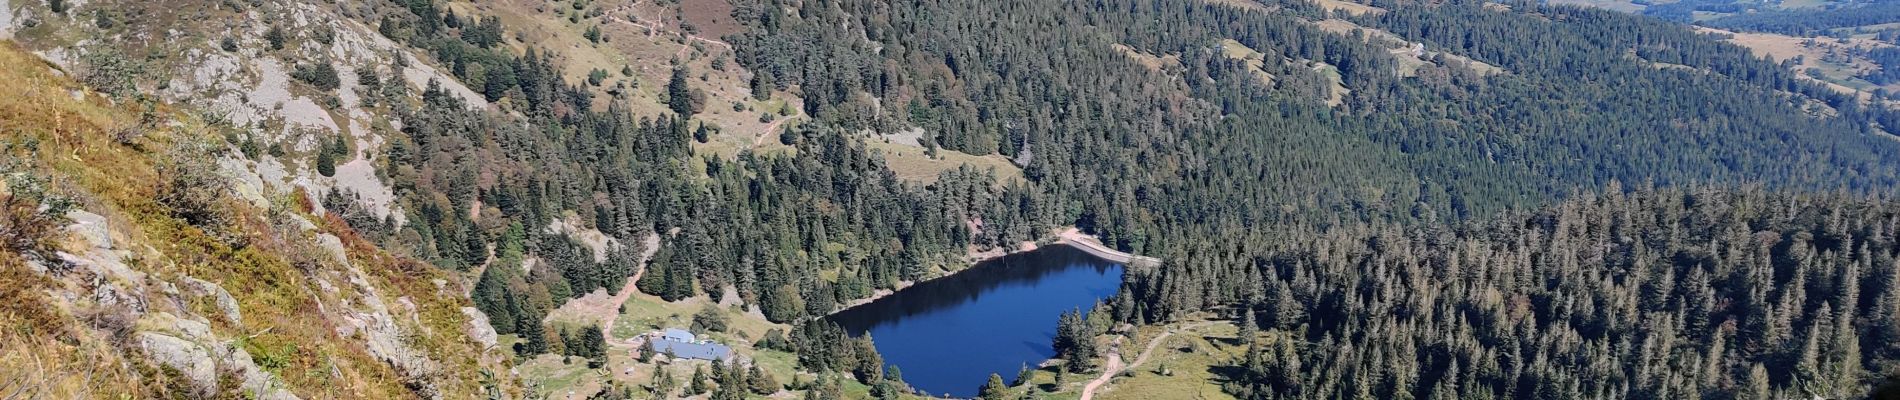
(1131, 152)
(1259, 192)
(1195, 162)
(1677, 293)
(482, 188)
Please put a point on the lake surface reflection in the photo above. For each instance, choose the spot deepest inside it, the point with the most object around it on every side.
(948, 335)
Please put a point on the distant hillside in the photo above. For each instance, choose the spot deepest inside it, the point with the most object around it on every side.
(1804, 22)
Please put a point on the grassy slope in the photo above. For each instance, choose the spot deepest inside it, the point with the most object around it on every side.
(1182, 365)
(282, 320)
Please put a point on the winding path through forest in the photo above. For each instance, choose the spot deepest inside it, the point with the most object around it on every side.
(760, 141)
(1115, 360)
(607, 323)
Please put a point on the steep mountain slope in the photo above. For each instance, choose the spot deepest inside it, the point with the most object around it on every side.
(132, 271)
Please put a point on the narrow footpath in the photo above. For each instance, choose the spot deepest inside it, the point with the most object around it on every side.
(607, 323)
(1115, 366)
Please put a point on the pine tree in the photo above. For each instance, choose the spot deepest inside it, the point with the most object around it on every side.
(536, 341)
(1757, 387)
(759, 381)
(679, 95)
(326, 162)
(1248, 327)
(994, 389)
(594, 342)
(699, 381)
(870, 365)
(663, 383)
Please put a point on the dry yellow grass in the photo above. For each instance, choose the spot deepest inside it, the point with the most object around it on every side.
(1243, 4)
(1349, 7)
(45, 353)
(1839, 70)
(1411, 55)
(281, 311)
(1153, 62)
(1618, 5)
(48, 353)
(1254, 58)
(910, 163)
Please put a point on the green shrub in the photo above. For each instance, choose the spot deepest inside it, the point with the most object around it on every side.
(276, 37)
(322, 76)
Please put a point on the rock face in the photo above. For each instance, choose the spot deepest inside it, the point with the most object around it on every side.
(218, 295)
(478, 327)
(381, 334)
(6, 22)
(200, 357)
(592, 238)
(188, 358)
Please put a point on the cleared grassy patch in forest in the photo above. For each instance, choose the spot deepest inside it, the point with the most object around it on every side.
(1411, 55)
(1255, 59)
(1242, 4)
(646, 39)
(1182, 366)
(1799, 4)
(1349, 7)
(711, 18)
(1617, 5)
(644, 313)
(1153, 62)
(1835, 60)
(911, 164)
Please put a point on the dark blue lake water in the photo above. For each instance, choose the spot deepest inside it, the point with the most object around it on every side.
(949, 334)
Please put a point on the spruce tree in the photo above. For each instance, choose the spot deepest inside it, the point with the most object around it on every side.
(679, 95)
(759, 382)
(994, 389)
(326, 162)
(699, 381)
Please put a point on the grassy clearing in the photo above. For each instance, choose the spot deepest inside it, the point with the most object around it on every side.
(1618, 5)
(910, 163)
(1800, 4)
(1153, 62)
(1242, 4)
(1411, 55)
(1182, 364)
(1349, 7)
(1255, 59)
(646, 313)
(1832, 58)
(646, 38)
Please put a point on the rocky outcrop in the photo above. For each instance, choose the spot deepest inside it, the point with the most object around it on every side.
(219, 296)
(479, 329)
(6, 22)
(383, 337)
(200, 357)
(193, 362)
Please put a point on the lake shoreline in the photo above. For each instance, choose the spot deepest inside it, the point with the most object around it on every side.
(1071, 237)
(1008, 304)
